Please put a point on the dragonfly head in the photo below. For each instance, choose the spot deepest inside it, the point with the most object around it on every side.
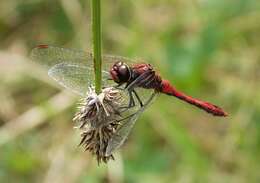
(120, 72)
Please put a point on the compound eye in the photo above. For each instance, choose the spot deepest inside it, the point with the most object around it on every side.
(124, 73)
(123, 70)
(120, 72)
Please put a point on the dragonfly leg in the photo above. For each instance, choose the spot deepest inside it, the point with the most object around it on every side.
(138, 98)
(129, 116)
(131, 103)
(131, 100)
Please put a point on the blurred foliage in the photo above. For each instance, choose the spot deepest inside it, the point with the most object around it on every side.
(207, 48)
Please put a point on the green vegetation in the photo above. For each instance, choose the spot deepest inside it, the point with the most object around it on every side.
(209, 49)
(96, 31)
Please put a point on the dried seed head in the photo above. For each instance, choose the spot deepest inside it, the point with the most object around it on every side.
(97, 120)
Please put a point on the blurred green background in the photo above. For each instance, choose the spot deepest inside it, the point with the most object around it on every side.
(208, 48)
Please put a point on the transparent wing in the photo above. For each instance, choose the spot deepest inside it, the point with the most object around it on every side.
(50, 55)
(74, 77)
(109, 60)
(128, 122)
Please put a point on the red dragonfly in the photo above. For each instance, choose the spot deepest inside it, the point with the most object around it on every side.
(122, 71)
(73, 69)
(143, 75)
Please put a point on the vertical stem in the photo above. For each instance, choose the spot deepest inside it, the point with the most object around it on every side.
(96, 32)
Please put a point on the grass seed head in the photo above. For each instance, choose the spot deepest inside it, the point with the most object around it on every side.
(97, 120)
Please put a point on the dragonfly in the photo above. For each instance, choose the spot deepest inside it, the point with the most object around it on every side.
(73, 69)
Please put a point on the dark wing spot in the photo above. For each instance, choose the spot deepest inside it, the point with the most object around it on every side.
(43, 46)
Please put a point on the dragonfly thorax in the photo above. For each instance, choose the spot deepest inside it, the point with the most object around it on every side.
(120, 72)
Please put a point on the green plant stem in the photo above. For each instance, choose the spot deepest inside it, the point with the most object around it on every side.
(96, 32)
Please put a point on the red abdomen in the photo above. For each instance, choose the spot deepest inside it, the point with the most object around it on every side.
(168, 89)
